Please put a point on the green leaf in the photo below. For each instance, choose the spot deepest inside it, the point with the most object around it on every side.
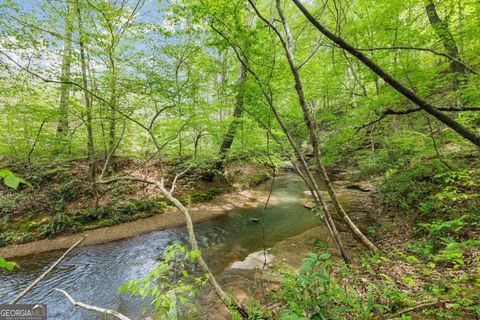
(11, 181)
(5, 172)
(9, 265)
(324, 256)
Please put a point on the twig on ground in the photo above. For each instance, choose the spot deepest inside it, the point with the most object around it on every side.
(417, 307)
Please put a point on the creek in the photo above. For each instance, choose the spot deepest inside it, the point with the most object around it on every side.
(92, 274)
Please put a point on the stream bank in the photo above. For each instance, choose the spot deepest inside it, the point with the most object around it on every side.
(62, 205)
(170, 219)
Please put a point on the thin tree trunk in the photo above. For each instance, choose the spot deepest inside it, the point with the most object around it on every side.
(88, 100)
(443, 33)
(313, 187)
(35, 141)
(194, 244)
(168, 194)
(409, 94)
(62, 128)
(313, 133)
(237, 114)
(113, 113)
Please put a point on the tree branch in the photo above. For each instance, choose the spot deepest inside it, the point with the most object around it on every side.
(389, 111)
(418, 307)
(310, 56)
(43, 275)
(85, 306)
(178, 176)
(52, 81)
(453, 124)
(435, 52)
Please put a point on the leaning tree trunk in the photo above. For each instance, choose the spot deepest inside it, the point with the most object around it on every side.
(407, 93)
(237, 114)
(168, 194)
(62, 128)
(201, 262)
(313, 133)
(312, 186)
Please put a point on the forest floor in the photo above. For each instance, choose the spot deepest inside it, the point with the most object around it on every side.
(61, 207)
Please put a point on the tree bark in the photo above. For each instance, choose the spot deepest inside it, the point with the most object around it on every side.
(113, 107)
(409, 94)
(237, 114)
(43, 275)
(62, 128)
(88, 100)
(443, 33)
(229, 302)
(99, 310)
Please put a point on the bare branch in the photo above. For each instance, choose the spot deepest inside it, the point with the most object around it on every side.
(310, 56)
(418, 307)
(43, 275)
(178, 176)
(85, 306)
(191, 236)
(51, 80)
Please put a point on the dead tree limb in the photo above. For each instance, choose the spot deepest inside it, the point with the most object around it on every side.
(43, 275)
(417, 307)
(191, 236)
(85, 306)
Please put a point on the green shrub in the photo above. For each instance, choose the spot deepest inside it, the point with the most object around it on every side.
(171, 286)
(67, 191)
(314, 292)
(7, 205)
(453, 253)
(93, 214)
(204, 196)
(150, 204)
(60, 223)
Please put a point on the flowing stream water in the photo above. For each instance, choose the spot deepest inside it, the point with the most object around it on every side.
(92, 274)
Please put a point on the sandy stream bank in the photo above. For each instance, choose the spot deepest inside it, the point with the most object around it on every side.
(169, 219)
